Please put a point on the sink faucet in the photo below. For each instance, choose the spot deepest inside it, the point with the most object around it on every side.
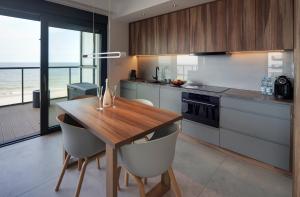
(156, 73)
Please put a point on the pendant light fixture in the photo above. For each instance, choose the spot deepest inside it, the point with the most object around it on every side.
(108, 54)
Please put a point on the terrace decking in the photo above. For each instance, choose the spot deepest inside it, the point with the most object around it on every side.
(22, 120)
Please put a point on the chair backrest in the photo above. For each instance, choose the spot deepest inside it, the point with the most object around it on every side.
(151, 158)
(144, 101)
(77, 141)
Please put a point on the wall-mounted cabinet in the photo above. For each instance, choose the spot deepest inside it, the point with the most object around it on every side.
(208, 27)
(274, 24)
(241, 25)
(219, 26)
(178, 32)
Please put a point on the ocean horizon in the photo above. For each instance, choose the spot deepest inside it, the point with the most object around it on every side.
(11, 82)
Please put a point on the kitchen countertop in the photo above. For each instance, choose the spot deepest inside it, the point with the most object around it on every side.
(231, 92)
(254, 95)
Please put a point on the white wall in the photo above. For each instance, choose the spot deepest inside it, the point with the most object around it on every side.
(119, 68)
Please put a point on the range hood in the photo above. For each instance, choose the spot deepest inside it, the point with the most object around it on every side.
(209, 53)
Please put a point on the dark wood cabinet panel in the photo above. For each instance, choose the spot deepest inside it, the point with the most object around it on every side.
(183, 33)
(274, 24)
(133, 38)
(197, 29)
(172, 33)
(208, 29)
(150, 36)
(161, 35)
(241, 25)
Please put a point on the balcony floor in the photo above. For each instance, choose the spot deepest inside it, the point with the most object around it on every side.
(23, 120)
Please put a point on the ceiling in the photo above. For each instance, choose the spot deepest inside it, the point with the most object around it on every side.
(130, 10)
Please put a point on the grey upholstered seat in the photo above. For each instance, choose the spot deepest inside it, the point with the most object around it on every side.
(79, 143)
(153, 157)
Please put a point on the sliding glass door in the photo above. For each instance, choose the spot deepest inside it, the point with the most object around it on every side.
(19, 78)
(67, 66)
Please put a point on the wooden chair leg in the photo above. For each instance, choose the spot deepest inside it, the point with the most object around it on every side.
(79, 164)
(174, 183)
(140, 185)
(98, 162)
(62, 172)
(82, 172)
(126, 178)
(119, 173)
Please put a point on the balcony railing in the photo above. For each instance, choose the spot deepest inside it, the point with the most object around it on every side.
(22, 69)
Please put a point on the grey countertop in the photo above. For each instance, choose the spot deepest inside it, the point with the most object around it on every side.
(231, 92)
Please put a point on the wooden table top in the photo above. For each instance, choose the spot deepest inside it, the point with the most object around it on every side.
(127, 122)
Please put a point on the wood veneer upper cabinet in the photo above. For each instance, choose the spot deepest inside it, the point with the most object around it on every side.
(172, 33)
(150, 36)
(178, 32)
(274, 24)
(161, 34)
(241, 25)
(183, 32)
(134, 38)
(208, 29)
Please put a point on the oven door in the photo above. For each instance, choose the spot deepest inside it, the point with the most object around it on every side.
(201, 111)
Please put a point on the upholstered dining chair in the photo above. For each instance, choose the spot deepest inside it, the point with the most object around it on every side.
(144, 101)
(80, 161)
(152, 158)
(78, 143)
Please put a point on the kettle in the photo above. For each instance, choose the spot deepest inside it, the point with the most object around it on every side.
(283, 88)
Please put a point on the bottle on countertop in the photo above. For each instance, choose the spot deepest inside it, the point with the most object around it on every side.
(107, 96)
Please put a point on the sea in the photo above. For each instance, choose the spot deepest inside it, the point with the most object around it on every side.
(11, 80)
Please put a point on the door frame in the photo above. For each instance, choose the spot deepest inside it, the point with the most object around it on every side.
(46, 23)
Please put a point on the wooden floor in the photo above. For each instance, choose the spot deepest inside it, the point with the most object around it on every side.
(21, 121)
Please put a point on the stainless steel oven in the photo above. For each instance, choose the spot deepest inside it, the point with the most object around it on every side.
(201, 108)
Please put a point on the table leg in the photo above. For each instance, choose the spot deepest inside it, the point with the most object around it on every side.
(111, 172)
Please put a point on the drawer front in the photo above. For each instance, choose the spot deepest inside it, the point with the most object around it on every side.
(170, 99)
(128, 85)
(259, 126)
(201, 131)
(270, 109)
(128, 93)
(148, 92)
(268, 152)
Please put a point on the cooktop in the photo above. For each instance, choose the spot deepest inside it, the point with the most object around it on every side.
(206, 88)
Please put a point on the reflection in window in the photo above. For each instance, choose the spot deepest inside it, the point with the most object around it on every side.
(279, 63)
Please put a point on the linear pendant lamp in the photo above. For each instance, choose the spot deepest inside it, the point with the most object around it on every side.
(108, 54)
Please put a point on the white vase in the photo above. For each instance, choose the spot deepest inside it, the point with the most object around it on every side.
(107, 96)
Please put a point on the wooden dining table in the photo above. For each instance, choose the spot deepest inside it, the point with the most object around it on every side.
(116, 126)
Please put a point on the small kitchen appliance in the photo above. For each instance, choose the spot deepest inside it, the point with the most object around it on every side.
(283, 88)
(132, 75)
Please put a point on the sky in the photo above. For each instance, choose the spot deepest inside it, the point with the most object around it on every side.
(20, 42)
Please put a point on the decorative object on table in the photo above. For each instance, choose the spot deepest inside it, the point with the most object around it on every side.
(177, 82)
(114, 94)
(80, 89)
(100, 96)
(107, 96)
(283, 88)
(132, 75)
(267, 86)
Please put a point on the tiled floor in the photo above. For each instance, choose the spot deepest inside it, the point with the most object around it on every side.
(30, 169)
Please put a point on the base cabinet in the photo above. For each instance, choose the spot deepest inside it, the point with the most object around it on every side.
(256, 129)
(271, 153)
(128, 89)
(170, 99)
(201, 131)
(149, 92)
